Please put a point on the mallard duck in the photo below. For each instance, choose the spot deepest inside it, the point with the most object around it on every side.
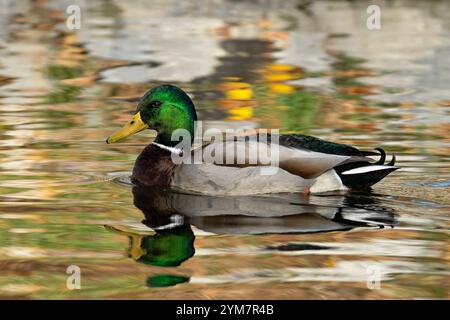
(304, 163)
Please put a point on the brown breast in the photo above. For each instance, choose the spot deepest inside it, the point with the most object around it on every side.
(153, 167)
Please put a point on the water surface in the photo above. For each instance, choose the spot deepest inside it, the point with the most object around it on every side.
(314, 69)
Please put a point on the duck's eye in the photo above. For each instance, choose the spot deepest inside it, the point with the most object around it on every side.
(155, 104)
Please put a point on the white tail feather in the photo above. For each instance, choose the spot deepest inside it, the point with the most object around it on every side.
(366, 169)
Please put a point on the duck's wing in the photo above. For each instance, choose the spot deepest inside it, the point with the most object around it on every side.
(301, 155)
(301, 141)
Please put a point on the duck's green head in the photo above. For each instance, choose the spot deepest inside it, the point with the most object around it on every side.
(165, 109)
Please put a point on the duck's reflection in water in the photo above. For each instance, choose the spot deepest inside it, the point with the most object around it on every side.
(170, 214)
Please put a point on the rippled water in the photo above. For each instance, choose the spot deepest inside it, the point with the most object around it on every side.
(64, 195)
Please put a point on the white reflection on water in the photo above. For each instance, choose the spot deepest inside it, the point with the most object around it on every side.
(343, 271)
(375, 247)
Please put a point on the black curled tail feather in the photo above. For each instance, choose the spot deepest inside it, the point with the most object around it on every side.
(382, 156)
(392, 162)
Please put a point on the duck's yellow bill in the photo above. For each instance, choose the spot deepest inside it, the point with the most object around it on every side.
(134, 126)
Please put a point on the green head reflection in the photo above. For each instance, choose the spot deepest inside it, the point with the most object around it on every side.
(167, 248)
(165, 280)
